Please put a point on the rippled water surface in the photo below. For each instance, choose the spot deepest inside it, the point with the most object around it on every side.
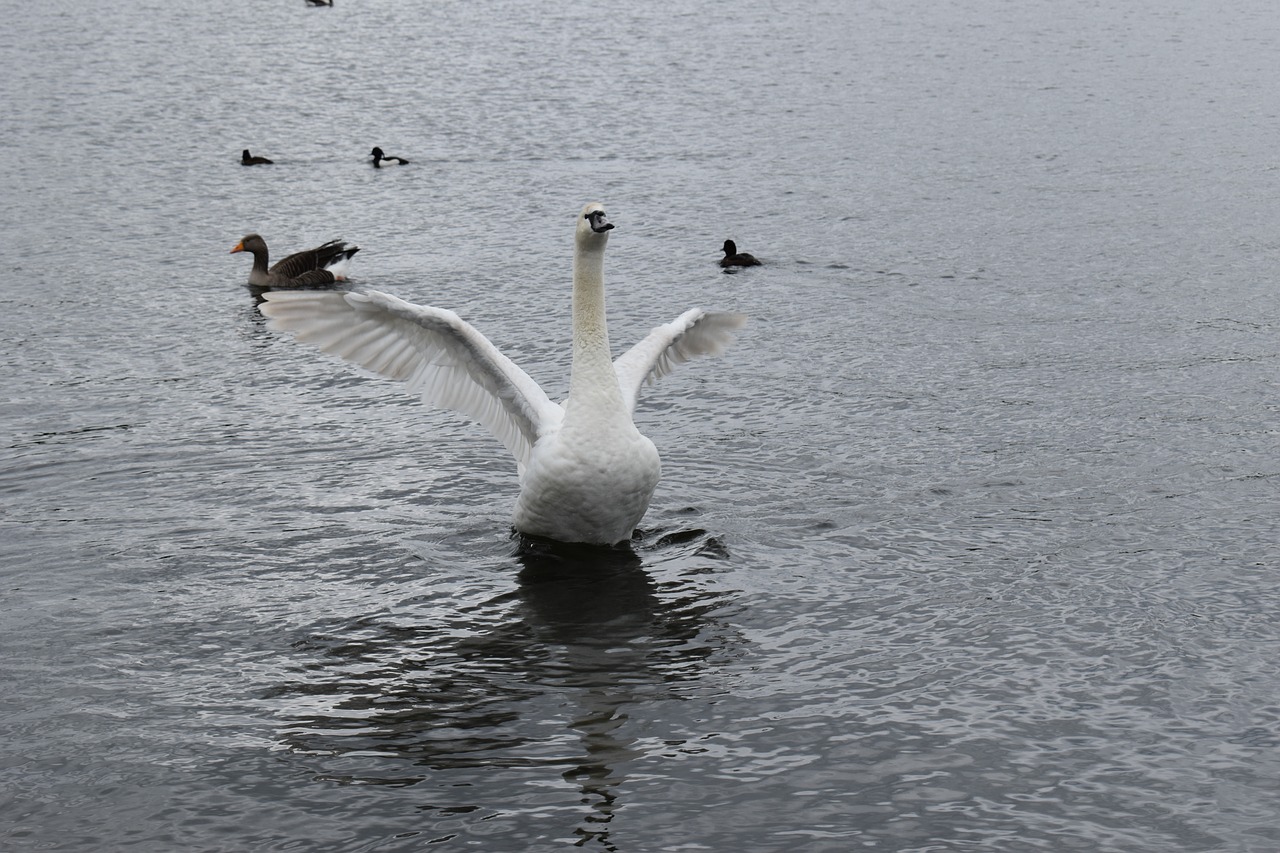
(969, 543)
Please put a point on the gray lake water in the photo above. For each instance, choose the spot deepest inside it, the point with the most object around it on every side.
(969, 543)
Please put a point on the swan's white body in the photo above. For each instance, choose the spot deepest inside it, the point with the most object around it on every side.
(586, 472)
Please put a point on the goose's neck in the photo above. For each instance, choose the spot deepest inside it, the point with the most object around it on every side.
(593, 381)
(259, 260)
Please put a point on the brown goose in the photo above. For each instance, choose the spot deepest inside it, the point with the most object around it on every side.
(247, 159)
(734, 258)
(379, 158)
(316, 267)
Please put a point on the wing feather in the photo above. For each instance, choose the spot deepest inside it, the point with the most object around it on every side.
(436, 353)
(309, 265)
(694, 333)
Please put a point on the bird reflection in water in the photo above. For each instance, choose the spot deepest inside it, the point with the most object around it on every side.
(599, 606)
(587, 636)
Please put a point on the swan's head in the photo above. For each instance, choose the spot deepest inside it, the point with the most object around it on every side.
(593, 226)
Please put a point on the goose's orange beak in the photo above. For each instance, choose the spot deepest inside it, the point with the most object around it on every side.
(239, 248)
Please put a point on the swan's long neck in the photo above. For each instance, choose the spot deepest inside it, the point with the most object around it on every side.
(593, 383)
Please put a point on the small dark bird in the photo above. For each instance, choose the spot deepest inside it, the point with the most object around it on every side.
(316, 267)
(247, 159)
(319, 2)
(734, 258)
(379, 158)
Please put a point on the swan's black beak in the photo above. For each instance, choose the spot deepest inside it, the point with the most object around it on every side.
(599, 223)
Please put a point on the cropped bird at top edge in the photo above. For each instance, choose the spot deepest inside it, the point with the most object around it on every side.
(586, 473)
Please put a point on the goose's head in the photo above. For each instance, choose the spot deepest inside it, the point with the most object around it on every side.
(593, 226)
(250, 243)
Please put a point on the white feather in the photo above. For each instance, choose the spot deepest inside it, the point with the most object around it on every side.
(440, 356)
(693, 333)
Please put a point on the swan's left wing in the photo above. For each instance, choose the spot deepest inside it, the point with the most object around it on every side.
(433, 351)
(693, 333)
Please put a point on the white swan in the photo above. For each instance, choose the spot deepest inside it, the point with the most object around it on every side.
(586, 472)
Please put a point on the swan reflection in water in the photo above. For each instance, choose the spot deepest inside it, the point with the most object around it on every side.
(483, 703)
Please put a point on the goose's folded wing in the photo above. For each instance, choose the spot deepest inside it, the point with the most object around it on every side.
(311, 278)
(307, 260)
(434, 352)
(693, 333)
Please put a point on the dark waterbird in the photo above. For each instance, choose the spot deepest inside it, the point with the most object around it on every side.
(734, 258)
(380, 159)
(318, 267)
(247, 159)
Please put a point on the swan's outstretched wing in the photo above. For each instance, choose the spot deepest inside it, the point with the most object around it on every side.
(693, 333)
(433, 351)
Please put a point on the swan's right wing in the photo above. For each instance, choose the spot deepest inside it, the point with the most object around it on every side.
(693, 333)
(434, 352)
